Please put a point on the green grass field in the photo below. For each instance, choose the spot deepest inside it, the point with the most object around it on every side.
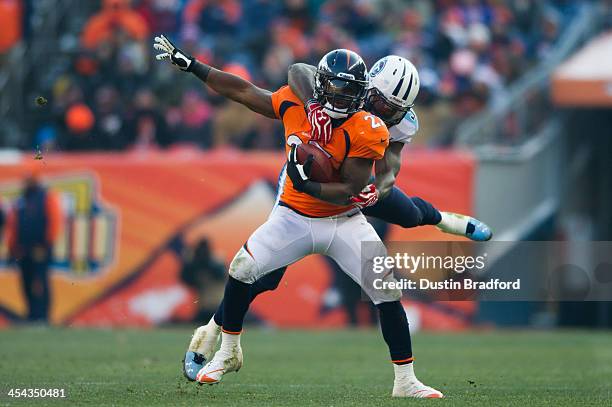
(337, 368)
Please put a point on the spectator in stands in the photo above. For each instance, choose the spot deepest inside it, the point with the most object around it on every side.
(111, 130)
(33, 227)
(216, 17)
(467, 52)
(196, 114)
(206, 275)
(146, 123)
(160, 15)
(225, 128)
(115, 17)
(79, 123)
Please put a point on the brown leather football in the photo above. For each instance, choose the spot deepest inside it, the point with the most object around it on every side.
(322, 166)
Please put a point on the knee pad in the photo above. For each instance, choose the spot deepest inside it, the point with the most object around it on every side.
(243, 267)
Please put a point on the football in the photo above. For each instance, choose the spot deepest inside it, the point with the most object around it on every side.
(323, 169)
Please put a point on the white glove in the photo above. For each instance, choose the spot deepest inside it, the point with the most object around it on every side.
(174, 54)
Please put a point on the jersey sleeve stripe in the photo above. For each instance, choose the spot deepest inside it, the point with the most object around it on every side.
(284, 106)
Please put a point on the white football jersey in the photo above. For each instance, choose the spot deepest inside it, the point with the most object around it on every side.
(405, 130)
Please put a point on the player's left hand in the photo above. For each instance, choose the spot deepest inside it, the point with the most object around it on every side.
(168, 51)
(367, 197)
(299, 173)
(320, 122)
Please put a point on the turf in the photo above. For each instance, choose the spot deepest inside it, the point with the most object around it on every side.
(337, 368)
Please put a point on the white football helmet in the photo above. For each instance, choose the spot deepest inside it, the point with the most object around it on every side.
(393, 87)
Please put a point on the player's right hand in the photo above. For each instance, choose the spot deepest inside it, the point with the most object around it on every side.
(172, 53)
(367, 197)
(319, 121)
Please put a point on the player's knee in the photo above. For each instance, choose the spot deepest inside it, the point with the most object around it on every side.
(428, 215)
(243, 267)
(384, 296)
(411, 217)
(385, 290)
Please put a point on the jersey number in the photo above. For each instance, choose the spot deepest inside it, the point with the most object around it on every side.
(375, 120)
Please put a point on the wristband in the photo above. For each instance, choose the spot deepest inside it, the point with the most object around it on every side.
(200, 70)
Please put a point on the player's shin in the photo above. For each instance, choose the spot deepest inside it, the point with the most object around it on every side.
(395, 330)
(236, 303)
(269, 282)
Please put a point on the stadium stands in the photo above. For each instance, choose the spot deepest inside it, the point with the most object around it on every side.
(467, 53)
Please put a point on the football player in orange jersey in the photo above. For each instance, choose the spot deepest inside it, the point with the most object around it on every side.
(312, 217)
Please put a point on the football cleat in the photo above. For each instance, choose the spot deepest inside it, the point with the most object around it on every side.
(222, 363)
(463, 225)
(192, 364)
(201, 349)
(414, 388)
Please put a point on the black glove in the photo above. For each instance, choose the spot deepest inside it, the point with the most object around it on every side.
(184, 61)
(300, 173)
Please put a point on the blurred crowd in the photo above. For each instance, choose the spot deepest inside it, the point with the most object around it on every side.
(114, 95)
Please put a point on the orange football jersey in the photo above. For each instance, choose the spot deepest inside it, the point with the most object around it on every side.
(361, 135)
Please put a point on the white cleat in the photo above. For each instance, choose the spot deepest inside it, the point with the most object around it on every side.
(223, 362)
(414, 388)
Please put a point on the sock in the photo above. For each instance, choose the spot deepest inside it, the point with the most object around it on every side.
(229, 342)
(235, 305)
(404, 372)
(395, 330)
(197, 343)
(454, 223)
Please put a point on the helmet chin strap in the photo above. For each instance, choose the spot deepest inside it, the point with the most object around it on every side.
(333, 114)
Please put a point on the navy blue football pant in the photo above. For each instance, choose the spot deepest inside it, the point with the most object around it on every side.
(396, 208)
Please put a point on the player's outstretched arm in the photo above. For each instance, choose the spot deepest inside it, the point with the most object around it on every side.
(355, 175)
(301, 80)
(231, 86)
(387, 168)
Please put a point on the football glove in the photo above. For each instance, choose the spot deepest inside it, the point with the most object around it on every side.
(299, 173)
(367, 197)
(320, 122)
(184, 61)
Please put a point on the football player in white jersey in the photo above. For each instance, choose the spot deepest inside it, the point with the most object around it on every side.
(394, 85)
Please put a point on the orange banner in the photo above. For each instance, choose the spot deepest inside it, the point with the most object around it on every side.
(128, 216)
